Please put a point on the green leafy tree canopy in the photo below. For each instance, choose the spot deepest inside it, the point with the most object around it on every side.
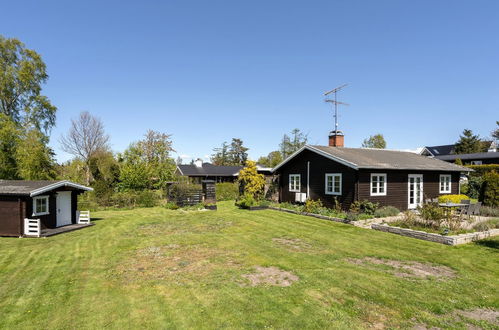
(468, 143)
(375, 141)
(22, 74)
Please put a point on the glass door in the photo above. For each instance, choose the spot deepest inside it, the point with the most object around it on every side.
(415, 190)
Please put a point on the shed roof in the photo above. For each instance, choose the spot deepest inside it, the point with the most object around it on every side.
(366, 158)
(33, 188)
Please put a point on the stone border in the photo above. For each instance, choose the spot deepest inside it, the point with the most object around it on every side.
(437, 238)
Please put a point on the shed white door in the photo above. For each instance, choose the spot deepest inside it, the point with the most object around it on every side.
(415, 190)
(63, 208)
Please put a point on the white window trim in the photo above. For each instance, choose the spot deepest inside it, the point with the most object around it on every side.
(371, 185)
(333, 175)
(34, 205)
(299, 183)
(440, 184)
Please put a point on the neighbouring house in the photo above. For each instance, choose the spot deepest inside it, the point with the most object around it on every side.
(52, 203)
(396, 178)
(200, 171)
(446, 153)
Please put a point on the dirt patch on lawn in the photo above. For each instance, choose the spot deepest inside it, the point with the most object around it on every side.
(294, 244)
(171, 261)
(409, 269)
(480, 314)
(270, 276)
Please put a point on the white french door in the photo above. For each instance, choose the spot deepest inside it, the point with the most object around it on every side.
(415, 190)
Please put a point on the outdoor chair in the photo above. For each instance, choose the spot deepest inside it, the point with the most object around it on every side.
(476, 211)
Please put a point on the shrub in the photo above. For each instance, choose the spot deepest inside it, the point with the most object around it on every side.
(227, 191)
(487, 225)
(171, 206)
(246, 201)
(364, 207)
(488, 211)
(312, 206)
(480, 170)
(148, 198)
(351, 216)
(253, 183)
(474, 187)
(491, 189)
(431, 211)
(386, 211)
(452, 198)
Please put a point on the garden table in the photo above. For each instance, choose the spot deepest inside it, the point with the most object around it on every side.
(448, 207)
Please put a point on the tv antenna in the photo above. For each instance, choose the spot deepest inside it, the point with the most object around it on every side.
(335, 103)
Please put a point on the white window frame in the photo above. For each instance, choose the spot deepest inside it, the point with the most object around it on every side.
(333, 175)
(35, 201)
(377, 193)
(293, 188)
(449, 188)
(476, 162)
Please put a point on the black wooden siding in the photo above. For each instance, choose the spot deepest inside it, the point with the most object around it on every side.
(319, 166)
(355, 183)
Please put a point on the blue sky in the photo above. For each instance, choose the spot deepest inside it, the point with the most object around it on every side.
(419, 72)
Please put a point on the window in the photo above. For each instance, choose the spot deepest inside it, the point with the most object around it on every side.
(445, 183)
(378, 184)
(476, 162)
(40, 205)
(294, 182)
(333, 184)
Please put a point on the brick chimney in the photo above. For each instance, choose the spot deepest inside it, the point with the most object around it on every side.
(336, 139)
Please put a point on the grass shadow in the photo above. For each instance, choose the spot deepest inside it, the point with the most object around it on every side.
(493, 244)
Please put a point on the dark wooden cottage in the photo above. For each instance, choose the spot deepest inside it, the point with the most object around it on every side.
(387, 177)
(54, 203)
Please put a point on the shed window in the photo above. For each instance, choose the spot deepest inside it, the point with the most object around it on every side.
(333, 183)
(378, 184)
(294, 183)
(445, 183)
(41, 205)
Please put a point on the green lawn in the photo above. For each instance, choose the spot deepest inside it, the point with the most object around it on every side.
(156, 268)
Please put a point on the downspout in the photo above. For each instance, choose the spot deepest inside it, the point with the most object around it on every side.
(308, 180)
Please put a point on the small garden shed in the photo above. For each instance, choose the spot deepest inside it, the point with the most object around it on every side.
(53, 203)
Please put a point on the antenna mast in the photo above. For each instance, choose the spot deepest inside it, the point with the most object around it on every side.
(335, 102)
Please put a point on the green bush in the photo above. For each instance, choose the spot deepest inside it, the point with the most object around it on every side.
(227, 191)
(147, 198)
(480, 170)
(452, 198)
(474, 187)
(487, 225)
(431, 211)
(491, 189)
(386, 211)
(312, 206)
(246, 201)
(171, 206)
(364, 206)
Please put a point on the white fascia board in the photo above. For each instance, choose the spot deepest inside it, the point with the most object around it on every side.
(320, 152)
(57, 185)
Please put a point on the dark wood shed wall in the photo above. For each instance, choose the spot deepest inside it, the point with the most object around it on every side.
(319, 166)
(11, 209)
(50, 220)
(397, 186)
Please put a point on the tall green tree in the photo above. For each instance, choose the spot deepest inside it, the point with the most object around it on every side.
(147, 164)
(468, 143)
(35, 160)
(495, 133)
(22, 74)
(9, 139)
(220, 157)
(238, 153)
(271, 160)
(375, 141)
(293, 142)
